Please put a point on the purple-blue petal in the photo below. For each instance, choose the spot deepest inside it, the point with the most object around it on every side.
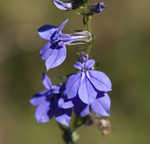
(46, 31)
(100, 80)
(63, 119)
(72, 85)
(89, 64)
(63, 5)
(63, 116)
(45, 52)
(46, 81)
(78, 65)
(86, 92)
(56, 58)
(35, 101)
(102, 105)
(62, 26)
(65, 104)
(42, 108)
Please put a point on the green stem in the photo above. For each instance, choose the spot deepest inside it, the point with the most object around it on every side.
(69, 134)
(87, 22)
(89, 28)
(66, 134)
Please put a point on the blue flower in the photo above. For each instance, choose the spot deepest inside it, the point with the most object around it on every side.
(98, 8)
(54, 51)
(46, 103)
(87, 83)
(101, 105)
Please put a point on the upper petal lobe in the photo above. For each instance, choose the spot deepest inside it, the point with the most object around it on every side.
(45, 52)
(78, 65)
(46, 31)
(89, 64)
(100, 80)
(46, 81)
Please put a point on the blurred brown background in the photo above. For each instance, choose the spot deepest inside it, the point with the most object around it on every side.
(122, 47)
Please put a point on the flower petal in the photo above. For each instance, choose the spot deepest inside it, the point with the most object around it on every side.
(86, 92)
(78, 65)
(72, 85)
(46, 81)
(63, 119)
(63, 5)
(65, 105)
(45, 52)
(42, 109)
(63, 116)
(102, 105)
(56, 58)
(62, 26)
(89, 64)
(46, 31)
(100, 80)
(35, 100)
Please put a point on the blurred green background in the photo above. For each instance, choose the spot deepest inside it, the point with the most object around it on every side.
(122, 47)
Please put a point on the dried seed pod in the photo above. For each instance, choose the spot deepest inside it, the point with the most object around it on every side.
(105, 126)
(102, 123)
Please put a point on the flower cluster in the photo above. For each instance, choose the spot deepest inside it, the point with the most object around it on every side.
(82, 92)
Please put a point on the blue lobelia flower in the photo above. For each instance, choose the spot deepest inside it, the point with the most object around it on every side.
(101, 105)
(98, 8)
(87, 83)
(54, 51)
(46, 103)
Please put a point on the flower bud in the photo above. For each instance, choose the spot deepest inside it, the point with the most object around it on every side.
(98, 8)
